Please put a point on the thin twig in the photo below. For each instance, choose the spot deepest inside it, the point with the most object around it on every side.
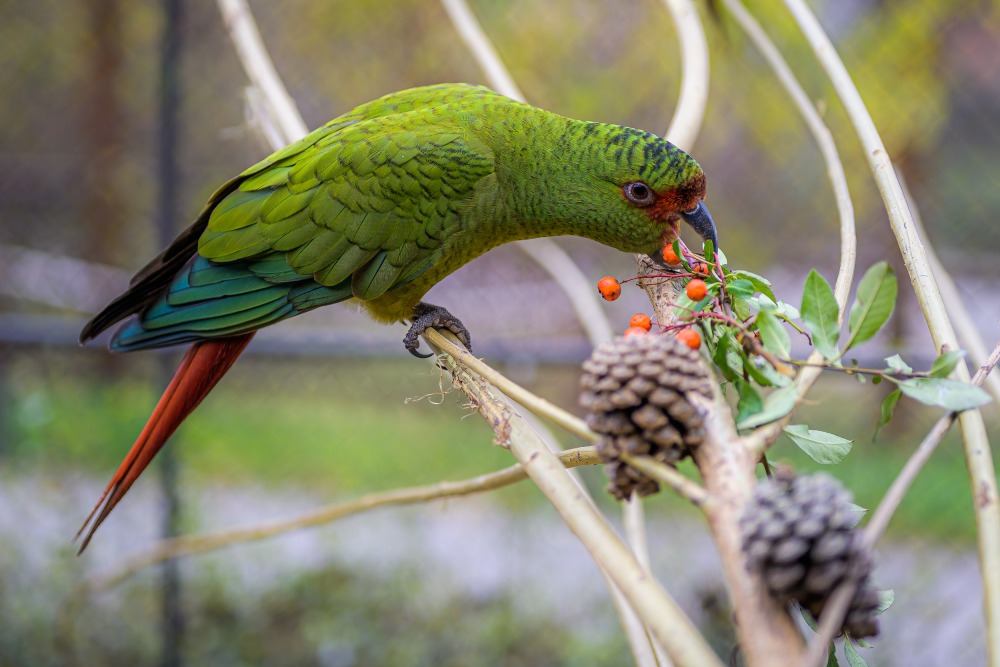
(975, 442)
(665, 619)
(836, 608)
(190, 545)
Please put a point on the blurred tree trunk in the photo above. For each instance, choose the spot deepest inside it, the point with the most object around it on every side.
(102, 122)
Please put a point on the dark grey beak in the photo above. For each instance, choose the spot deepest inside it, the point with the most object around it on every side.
(701, 221)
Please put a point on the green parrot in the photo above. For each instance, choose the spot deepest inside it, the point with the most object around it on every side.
(377, 206)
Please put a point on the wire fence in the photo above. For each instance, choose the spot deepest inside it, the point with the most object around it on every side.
(79, 189)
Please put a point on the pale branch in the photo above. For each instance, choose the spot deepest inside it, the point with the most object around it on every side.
(191, 545)
(536, 404)
(837, 606)
(482, 49)
(978, 457)
(260, 70)
(668, 475)
(726, 465)
(661, 614)
(693, 97)
(645, 648)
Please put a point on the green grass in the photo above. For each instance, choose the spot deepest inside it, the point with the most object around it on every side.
(343, 427)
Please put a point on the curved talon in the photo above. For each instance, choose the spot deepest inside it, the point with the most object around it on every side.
(427, 316)
(419, 355)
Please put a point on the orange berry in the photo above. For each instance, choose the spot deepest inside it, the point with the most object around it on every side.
(669, 256)
(700, 267)
(690, 338)
(696, 289)
(640, 320)
(635, 331)
(609, 288)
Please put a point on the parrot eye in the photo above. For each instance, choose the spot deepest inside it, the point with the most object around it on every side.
(639, 193)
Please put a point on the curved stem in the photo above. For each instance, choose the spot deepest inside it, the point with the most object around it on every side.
(693, 97)
(260, 70)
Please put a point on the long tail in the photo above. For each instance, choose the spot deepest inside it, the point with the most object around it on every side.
(202, 367)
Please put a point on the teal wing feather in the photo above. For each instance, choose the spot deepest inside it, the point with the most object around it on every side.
(356, 208)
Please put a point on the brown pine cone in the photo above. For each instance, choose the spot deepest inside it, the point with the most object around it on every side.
(634, 390)
(799, 535)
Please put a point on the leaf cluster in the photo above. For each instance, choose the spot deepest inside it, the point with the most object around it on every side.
(746, 331)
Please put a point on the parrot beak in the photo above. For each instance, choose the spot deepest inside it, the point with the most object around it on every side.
(701, 221)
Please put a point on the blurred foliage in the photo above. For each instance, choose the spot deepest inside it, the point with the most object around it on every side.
(334, 617)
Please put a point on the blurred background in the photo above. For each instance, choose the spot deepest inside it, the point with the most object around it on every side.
(121, 118)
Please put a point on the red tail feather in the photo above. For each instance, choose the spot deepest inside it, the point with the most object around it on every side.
(202, 367)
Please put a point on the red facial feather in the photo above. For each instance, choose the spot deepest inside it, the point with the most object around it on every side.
(670, 203)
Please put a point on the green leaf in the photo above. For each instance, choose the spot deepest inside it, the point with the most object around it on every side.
(721, 358)
(741, 308)
(766, 374)
(873, 304)
(897, 364)
(760, 283)
(831, 656)
(773, 335)
(821, 447)
(750, 402)
(723, 260)
(857, 514)
(854, 658)
(885, 600)
(788, 311)
(819, 314)
(778, 404)
(763, 302)
(741, 288)
(945, 364)
(888, 407)
(810, 620)
(950, 394)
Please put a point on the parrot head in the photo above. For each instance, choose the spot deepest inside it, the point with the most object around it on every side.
(619, 186)
(660, 185)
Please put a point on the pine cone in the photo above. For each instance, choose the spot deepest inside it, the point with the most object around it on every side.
(798, 533)
(634, 389)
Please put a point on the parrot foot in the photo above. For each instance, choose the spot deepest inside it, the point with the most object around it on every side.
(427, 316)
